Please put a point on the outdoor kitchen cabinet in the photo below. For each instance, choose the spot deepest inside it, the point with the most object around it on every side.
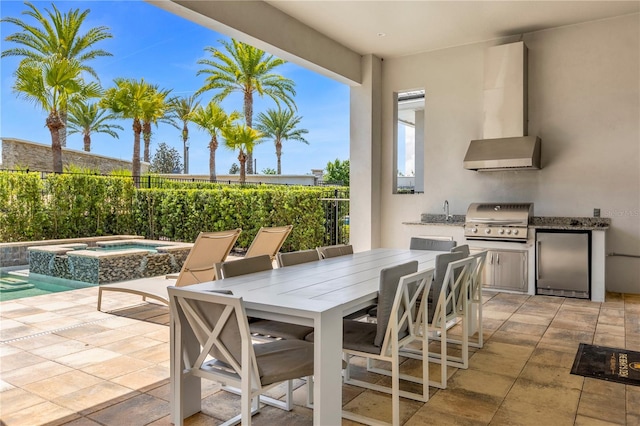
(506, 270)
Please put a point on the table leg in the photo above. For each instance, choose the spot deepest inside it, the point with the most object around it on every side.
(327, 388)
(185, 392)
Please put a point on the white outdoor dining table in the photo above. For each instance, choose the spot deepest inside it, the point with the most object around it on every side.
(317, 294)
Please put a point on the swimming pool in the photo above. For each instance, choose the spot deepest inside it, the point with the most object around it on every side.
(14, 287)
(111, 261)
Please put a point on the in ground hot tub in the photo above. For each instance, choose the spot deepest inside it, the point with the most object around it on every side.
(109, 261)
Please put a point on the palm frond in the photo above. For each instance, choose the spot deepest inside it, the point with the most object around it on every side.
(239, 67)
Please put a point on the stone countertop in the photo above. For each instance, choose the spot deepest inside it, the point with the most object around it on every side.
(538, 222)
(571, 223)
(439, 219)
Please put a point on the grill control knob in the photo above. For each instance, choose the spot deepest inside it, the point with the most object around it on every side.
(474, 230)
(487, 231)
(515, 232)
(500, 231)
(508, 231)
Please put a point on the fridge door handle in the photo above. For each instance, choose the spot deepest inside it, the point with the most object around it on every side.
(539, 245)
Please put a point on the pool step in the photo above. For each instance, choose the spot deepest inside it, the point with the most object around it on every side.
(19, 273)
(13, 284)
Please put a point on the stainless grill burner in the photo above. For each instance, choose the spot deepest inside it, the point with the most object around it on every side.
(498, 222)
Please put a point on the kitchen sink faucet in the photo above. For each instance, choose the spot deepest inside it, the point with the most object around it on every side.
(445, 207)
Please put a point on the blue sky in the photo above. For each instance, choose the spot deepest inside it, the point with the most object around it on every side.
(162, 48)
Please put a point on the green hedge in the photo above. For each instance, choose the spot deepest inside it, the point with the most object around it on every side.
(23, 215)
(63, 206)
(179, 214)
(75, 205)
(86, 205)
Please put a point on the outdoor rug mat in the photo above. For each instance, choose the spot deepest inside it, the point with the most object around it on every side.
(614, 365)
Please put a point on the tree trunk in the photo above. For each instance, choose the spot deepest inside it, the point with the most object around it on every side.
(243, 160)
(185, 159)
(248, 115)
(87, 142)
(54, 124)
(135, 161)
(146, 134)
(213, 145)
(279, 154)
(62, 132)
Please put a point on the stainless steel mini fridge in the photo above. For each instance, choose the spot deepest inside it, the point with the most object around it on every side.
(563, 266)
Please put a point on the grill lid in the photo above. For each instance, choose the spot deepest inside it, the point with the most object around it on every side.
(500, 213)
(497, 221)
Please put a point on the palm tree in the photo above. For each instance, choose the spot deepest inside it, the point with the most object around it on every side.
(181, 110)
(88, 118)
(243, 138)
(49, 84)
(154, 109)
(247, 70)
(128, 100)
(281, 126)
(56, 35)
(213, 120)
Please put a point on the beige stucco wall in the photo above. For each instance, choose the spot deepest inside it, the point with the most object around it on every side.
(584, 103)
(37, 157)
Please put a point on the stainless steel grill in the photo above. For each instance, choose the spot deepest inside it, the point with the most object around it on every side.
(498, 221)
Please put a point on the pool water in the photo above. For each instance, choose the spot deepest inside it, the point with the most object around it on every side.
(149, 248)
(14, 287)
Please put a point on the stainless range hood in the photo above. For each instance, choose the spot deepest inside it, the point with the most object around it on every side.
(506, 145)
(522, 153)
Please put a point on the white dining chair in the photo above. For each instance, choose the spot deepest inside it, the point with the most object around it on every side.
(475, 302)
(418, 243)
(297, 257)
(264, 329)
(327, 252)
(227, 353)
(400, 289)
(449, 304)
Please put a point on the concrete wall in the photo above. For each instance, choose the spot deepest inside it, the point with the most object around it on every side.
(36, 156)
(584, 103)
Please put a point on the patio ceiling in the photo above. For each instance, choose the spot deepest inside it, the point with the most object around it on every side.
(398, 28)
(330, 37)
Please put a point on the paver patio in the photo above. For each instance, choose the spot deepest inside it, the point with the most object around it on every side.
(63, 362)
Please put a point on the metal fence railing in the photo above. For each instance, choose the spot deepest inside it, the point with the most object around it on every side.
(152, 181)
(336, 215)
(155, 181)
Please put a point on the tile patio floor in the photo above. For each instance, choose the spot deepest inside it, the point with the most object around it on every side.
(63, 362)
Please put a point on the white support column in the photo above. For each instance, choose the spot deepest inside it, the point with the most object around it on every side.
(365, 156)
